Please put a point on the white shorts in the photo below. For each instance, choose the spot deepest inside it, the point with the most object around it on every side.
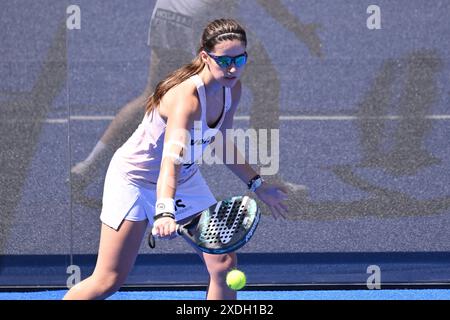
(123, 199)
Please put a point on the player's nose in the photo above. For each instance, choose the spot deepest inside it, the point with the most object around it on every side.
(232, 69)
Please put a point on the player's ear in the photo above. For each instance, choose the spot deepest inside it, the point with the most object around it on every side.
(204, 56)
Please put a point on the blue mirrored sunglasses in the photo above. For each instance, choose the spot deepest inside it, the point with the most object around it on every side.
(226, 61)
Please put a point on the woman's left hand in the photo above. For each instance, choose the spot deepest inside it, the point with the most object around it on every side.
(273, 195)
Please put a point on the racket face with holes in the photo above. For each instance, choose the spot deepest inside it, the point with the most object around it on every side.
(225, 226)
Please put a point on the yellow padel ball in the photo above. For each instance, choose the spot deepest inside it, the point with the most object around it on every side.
(236, 279)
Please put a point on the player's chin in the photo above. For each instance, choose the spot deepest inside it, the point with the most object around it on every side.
(229, 82)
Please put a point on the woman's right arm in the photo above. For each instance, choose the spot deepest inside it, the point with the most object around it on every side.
(180, 118)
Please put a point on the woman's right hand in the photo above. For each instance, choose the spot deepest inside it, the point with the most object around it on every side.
(165, 228)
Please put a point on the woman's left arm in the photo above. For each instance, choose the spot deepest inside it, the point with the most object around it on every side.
(270, 194)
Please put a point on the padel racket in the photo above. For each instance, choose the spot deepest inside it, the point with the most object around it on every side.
(224, 227)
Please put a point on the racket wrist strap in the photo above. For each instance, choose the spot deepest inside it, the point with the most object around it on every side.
(165, 205)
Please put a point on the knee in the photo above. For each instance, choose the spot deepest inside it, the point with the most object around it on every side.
(109, 283)
(220, 265)
(97, 286)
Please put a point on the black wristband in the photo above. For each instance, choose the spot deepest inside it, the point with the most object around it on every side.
(163, 215)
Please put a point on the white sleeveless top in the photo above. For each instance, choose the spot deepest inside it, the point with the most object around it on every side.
(139, 159)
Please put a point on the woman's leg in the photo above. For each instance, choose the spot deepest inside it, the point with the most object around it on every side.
(218, 265)
(117, 253)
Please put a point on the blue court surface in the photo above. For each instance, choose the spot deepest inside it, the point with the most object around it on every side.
(363, 124)
(384, 294)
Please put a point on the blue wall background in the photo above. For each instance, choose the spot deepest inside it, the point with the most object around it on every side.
(364, 126)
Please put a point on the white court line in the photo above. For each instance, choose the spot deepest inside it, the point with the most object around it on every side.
(247, 118)
(294, 118)
(350, 118)
(91, 118)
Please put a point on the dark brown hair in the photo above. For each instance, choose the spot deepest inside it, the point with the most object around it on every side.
(216, 31)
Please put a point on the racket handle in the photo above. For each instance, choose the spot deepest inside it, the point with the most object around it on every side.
(181, 230)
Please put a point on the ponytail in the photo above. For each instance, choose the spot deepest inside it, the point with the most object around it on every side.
(174, 79)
